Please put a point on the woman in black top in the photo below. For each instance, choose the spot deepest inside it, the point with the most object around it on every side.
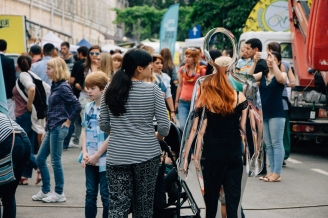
(272, 84)
(224, 116)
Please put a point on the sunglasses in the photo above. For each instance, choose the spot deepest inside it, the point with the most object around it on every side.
(94, 53)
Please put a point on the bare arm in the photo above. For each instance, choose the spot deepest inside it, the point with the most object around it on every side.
(291, 78)
(191, 138)
(251, 70)
(242, 124)
(78, 86)
(85, 156)
(30, 98)
(280, 77)
(169, 102)
(199, 143)
(93, 159)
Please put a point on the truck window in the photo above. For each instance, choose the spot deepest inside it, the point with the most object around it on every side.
(286, 50)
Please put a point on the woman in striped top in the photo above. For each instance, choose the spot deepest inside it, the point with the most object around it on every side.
(20, 155)
(127, 109)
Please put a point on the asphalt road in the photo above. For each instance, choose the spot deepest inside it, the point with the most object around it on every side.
(301, 193)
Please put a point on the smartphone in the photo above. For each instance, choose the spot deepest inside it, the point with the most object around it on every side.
(264, 55)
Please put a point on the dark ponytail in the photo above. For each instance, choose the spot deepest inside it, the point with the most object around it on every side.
(24, 62)
(117, 93)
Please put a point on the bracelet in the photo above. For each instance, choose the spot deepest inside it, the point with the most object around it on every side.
(172, 112)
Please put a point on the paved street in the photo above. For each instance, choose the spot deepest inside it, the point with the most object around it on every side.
(301, 193)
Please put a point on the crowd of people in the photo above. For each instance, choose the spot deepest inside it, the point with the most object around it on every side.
(105, 103)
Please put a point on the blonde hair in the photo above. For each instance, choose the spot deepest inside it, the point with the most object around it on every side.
(98, 78)
(61, 71)
(106, 63)
(223, 61)
(153, 78)
(148, 48)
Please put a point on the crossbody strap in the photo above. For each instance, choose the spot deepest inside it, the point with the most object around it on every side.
(13, 141)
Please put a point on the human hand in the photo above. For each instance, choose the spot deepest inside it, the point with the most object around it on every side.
(93, 159)
(270, 58)
(67, 123)
(85, 159)
(257, 57)
(185, 166)
(176, 106)
(173, 117)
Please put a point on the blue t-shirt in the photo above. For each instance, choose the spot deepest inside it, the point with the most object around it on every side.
(94, 136)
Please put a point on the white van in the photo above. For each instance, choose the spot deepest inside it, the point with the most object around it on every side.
(283, 38)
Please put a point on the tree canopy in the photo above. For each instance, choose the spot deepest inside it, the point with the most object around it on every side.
(143, 18)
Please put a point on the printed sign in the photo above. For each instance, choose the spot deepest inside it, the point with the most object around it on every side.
(269, 15)
(169, 26)
(12, 29)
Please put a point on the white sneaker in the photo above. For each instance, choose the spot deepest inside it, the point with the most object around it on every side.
(40, 195)
(73, 145)
(54, 198)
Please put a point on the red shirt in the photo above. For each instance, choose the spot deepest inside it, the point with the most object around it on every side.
(188, 87)
(20, 103)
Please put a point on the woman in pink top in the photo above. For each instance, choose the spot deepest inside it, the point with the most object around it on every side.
(187, 76)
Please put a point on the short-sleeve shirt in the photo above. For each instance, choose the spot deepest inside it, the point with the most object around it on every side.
(27, 81)
(94, 136)
(261, 66)
(244, 64)
(166, 79)
(188, 87)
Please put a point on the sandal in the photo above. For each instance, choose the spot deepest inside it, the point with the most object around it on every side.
(38, 178)
(266, 176)
(23, 181)
(272, 180)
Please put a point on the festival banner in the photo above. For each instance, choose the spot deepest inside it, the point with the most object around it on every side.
(268, 15)
(169, 27)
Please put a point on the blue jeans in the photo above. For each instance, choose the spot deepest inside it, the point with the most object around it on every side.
(52, 144)
(183, 112)
(77, 129)
(25, 122)
(273, 132)
(94, 178)
(69, 135)
(20, 156)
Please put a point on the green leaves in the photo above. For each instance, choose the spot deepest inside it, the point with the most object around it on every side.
(144, 20)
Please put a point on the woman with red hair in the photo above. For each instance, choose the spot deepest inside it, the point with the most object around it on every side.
(187, 76)
(223, 118)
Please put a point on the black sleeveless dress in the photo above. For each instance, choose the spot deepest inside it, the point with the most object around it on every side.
(222, 159)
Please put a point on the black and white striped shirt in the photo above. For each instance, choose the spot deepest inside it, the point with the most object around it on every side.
(6, 127)
(132, 136)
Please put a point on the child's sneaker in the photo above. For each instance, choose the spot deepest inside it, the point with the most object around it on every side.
(54, 198)
(40, 195)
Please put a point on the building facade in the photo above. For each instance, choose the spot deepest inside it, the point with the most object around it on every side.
(71, 20)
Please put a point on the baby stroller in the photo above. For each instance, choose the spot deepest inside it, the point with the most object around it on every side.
(176, 189)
